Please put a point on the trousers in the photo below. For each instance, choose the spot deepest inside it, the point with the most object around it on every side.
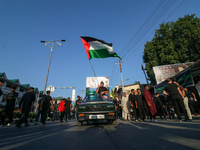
(38, 115)
(23, 118)
(7, 112)
(43, 115)
(179, 106)
(141, 111)
(127, 114)
(186, 104)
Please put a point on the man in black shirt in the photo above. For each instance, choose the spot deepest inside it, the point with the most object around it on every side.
(9, 108)
(133, 100)
(26, 103)
(119, 108)
(101, 90)
(116, 105)
(140, 105)
(39, 109)
(159, 106)
(47, 100)
(177, 98)
(78, 101)
(185, 101)
(68, 108)
(192, 103)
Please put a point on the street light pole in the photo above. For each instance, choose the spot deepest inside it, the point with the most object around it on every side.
(46, 44)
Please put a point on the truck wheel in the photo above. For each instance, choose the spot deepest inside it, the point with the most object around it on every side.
(80, 124)
(114, 122)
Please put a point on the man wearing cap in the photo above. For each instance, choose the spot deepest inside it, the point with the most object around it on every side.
(68, 108)
(101, 90)
(47, 100)
(26, 103)
(9, 108)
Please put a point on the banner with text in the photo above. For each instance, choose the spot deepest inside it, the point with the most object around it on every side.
(167, 71)
(93, 82)
(183, 78)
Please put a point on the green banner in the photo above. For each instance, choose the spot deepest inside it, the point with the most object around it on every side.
(184, 78)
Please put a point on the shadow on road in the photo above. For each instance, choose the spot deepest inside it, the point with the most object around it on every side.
(103, 135)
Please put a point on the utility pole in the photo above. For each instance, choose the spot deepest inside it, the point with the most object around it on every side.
(82, 91)
(145, 75)
(122, 83)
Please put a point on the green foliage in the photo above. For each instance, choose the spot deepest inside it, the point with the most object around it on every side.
(174, 42)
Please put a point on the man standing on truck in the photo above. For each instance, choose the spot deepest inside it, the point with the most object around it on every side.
(101, 90)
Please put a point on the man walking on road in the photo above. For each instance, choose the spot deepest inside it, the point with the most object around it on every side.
(68, 108)
(150, 103)
(39, 110)
(9, 108)
(47, 100)
(176, 95)
(61, 109)
(26, 103)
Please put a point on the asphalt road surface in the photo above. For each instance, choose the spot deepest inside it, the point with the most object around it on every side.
(103, 136)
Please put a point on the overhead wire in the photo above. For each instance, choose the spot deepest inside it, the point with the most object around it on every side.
(144, 24)
(152, 23)
(154, 31)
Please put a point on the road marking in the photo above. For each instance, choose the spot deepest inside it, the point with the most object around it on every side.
(192, 143)
(172, 127)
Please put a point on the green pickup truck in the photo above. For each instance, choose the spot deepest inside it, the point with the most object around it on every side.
(95, 108)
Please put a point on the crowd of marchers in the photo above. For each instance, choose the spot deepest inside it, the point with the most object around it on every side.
(174, 101)
(45, 106)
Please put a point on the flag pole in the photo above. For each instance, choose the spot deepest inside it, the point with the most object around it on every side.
(94, 72)
(92, 68)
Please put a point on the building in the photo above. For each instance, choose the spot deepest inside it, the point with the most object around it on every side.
(20, 88)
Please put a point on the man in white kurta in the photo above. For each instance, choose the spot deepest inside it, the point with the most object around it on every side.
(125, 107)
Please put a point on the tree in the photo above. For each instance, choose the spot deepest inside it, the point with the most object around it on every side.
(174, 42)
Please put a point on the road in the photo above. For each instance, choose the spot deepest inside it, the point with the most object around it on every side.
(102, 136)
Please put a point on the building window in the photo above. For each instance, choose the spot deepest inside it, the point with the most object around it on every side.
(9, 85)
(4, 98)
(21, 89)
(17, 101)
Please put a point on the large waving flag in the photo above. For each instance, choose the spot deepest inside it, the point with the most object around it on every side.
(98, 48)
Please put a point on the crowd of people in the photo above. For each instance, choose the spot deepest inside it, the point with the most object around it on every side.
(175, 99)
(44, 106)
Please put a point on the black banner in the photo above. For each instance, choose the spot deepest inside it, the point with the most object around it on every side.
(184, 78)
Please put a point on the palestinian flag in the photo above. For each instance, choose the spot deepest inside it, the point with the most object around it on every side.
(97, 48)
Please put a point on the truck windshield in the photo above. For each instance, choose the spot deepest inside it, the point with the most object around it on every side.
(96, 97)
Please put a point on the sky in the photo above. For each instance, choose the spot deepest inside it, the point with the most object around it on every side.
(24, 23)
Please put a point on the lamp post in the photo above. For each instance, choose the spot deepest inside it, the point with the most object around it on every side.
(51, 47)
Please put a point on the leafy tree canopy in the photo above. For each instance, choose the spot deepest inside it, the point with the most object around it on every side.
(174, 42)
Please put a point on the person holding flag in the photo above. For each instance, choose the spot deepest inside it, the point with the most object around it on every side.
(101, 90)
